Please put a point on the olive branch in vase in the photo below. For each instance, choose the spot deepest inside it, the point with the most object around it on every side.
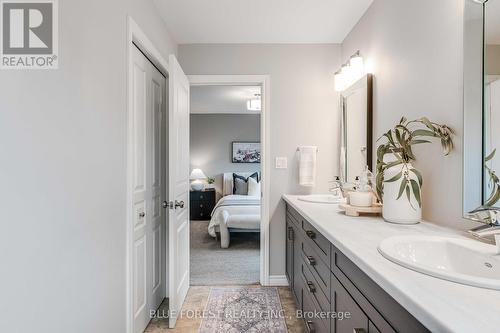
(399, 142)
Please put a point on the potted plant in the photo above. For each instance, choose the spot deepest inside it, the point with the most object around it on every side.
(396, 176)
(211, 182)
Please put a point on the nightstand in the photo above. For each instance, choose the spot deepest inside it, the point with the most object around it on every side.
(201, 204)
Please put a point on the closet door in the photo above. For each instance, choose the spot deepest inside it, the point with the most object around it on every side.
(149, 188)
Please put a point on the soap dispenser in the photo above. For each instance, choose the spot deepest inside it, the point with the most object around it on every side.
(363, 194)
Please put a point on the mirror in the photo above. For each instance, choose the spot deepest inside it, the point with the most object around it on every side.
(481, 104)
(356, 140)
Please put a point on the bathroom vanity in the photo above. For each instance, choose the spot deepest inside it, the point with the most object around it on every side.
(333, 266)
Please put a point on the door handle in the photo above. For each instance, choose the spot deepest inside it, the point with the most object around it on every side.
(311, 234)
(164, 204)
(290, 233)
(310, 326)
(310, 260)
(179, 204)
(359, 330)
(142, 214)
(311, 287)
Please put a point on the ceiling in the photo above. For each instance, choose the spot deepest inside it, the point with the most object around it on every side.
(493, 22)
(261, 21)
(222, 99)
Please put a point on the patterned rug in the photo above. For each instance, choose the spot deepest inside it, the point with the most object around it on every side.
(243, 309)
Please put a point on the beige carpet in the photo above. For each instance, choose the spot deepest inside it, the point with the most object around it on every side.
(211, 265)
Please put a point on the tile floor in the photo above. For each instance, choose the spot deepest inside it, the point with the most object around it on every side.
(197, 299)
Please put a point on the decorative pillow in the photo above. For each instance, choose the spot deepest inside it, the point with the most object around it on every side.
(241, 183)
(253, 187)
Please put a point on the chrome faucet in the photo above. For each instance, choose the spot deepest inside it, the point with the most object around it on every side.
(490, 217)
(338, 184)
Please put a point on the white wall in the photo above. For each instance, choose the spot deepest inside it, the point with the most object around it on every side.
(210, 143)
(415, 50)
(62, 173)
(303, 112)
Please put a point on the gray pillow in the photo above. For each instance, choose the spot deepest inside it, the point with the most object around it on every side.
(241, 183)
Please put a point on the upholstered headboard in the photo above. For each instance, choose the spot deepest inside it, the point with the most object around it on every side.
(227, 181)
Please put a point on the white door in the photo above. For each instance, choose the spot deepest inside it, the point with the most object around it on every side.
(178, 171)
(149, 189)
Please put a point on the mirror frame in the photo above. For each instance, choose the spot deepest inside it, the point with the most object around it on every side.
(473, 104)
(368, 81)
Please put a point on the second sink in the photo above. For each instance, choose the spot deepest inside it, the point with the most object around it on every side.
(322, 198)
(454, 259)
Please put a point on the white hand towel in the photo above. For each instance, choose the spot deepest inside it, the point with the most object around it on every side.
(307, 165)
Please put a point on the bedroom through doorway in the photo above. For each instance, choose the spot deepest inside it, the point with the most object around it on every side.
(225, 175)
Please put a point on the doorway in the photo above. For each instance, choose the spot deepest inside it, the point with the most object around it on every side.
(262, 82)
(225, 148)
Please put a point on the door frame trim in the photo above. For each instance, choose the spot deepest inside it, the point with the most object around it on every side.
(265, 122)
(137, 38)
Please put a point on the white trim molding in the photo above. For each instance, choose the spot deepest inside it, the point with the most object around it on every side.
(135, 38)
(278, 281)
(265, 122)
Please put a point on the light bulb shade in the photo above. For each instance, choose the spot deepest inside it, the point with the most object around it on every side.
(197, 174)
(346, 75)
(254, 105)
(339, 82)
(356, 62)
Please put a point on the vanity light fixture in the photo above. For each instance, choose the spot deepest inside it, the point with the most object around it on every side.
(350, 72)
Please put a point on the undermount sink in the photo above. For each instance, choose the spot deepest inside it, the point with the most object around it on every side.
(454, 259)
(321, 198)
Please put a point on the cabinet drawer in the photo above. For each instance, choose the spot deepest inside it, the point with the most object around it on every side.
(312, 318)
(317, 241)
(203, 205)
(318, 267)
(293, 214)
(342, 302)
(200, 209)
(311, 287)
(384, 312)
(203, 195)
(290, 218)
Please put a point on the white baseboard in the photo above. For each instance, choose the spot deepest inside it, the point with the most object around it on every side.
(278, 281)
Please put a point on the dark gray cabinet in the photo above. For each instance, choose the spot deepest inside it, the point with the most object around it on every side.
(201, 204)
(325, 283)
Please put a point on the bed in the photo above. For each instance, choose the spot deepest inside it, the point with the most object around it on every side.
(234, 213)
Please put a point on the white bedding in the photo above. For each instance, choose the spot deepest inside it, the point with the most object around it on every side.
(235, 205)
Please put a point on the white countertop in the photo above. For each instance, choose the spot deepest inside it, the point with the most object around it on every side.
(440, 305)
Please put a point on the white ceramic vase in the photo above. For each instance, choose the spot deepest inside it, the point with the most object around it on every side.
(394, 210)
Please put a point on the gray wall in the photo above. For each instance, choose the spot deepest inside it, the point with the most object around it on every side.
(63, 176)
(493, 59)
(415, 49)
(303, 112)
(211, 136)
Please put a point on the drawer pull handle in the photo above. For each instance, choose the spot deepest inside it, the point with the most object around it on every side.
(359, 330)
(310, 326)
(141, 215)
(201, 197)
(311, 234)
(311, 287)
(201, 205)
(311, 261)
